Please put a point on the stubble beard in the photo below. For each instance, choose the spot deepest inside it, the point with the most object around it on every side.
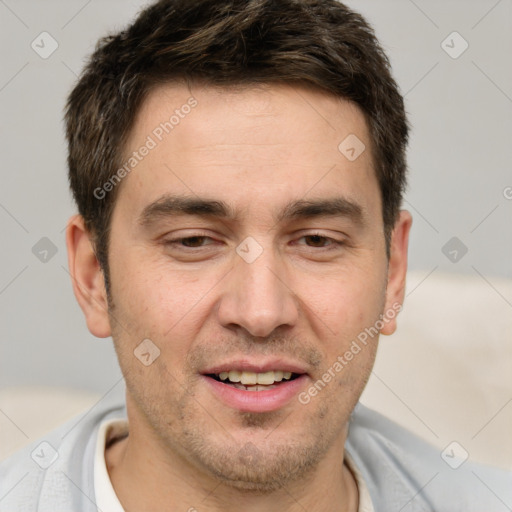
(260, 467)
(189, 434)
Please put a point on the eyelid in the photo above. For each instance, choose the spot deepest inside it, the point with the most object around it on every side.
(333, 241)
(178, 239)
(175, 241)
(333, 235)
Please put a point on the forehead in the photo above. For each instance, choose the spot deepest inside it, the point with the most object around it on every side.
(273, 141)
(244, 104)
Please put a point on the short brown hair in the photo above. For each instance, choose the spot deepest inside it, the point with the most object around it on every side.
(319, 43)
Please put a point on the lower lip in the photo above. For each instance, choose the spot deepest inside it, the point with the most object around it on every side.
(257, 401)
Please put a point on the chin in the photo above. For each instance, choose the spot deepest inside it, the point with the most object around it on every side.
(255, 481)
(258, 469)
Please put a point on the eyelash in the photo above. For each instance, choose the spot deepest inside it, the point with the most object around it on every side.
(177, 241)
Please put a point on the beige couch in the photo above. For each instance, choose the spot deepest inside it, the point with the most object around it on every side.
(446, 374)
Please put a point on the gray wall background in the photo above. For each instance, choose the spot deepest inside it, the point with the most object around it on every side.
(460, 158)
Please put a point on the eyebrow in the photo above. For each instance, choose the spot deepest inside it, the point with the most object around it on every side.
(172, 205)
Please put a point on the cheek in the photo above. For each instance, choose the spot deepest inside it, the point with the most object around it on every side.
(348, 309)
(168, 307)
(347, 302)
(151, 292)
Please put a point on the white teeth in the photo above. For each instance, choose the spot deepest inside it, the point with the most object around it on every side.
(252, 388)
(253, 378)
(248, 378)
(259, 388)
(265, 378)
(235, 376)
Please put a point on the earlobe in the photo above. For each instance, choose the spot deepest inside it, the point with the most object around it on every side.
(397, 271)
(87, 277)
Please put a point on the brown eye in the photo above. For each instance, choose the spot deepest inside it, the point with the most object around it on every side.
(193, 241)
(317, 240)
(190, 242)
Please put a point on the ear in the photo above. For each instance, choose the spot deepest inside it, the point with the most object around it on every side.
(87, 277)
(397, 270)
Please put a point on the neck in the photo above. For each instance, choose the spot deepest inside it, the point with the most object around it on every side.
(146, 476)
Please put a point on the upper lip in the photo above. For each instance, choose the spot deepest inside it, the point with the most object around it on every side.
(248, 365)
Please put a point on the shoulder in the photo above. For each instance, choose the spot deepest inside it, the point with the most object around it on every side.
(56, 472)
(404, 472)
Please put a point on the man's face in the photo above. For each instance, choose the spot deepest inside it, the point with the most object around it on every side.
(261, 280)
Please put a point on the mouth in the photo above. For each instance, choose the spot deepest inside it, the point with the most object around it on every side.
(249, 387)
(253, 381)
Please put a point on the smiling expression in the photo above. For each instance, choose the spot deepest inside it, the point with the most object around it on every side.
(251, 252)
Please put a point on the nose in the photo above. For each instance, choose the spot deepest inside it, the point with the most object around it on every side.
(257, 298)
